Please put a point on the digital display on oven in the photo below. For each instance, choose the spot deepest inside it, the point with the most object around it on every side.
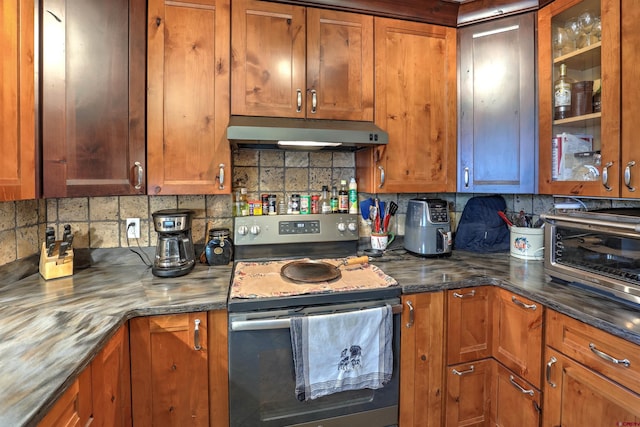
(299, 227)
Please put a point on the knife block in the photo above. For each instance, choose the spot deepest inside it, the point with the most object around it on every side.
(53, 267)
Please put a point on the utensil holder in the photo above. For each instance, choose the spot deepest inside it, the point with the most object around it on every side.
(53, 267)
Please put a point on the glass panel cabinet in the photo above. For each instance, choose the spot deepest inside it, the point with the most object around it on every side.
(579, 97)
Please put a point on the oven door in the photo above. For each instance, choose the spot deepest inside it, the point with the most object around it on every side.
(262, 382)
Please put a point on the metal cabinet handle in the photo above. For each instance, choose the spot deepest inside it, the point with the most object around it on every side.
(381, 176)
(461, 373)
(196, 335)
(627, 175)
(519, 387)
(466, 177)
(549, 364)
(624, 362)
(516, 301)
(299, 101)
(314, 101)
(139, 171)
(410, 322)
(221, 176)
(467, 295)
(605, 176)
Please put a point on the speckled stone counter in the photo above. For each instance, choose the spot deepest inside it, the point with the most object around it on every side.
(50, 331)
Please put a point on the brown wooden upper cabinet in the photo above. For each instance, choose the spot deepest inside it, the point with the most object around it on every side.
(188, 97)
(93, 97)
(291, 61)
(416, 104)
(17, 104)
(594, 132)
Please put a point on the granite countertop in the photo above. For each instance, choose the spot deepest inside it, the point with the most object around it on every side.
(50, 330)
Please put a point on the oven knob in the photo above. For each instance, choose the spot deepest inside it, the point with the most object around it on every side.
(341, 227)
(352, 226)
(255, 230)
(243, 230)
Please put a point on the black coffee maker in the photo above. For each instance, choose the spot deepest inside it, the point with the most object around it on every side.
(175, 255)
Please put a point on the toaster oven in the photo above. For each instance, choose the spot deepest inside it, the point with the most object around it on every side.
(597, 250)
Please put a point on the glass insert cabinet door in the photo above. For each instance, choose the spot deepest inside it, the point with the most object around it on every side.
(579, 97)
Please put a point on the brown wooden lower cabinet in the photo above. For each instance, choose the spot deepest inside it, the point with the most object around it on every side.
(73, 408)
(578, 396)
(517, 402)
(111, 382)
(169, 370)
(421, 360)
(470, 389)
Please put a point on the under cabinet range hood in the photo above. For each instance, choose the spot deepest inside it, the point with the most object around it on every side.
(301, 134)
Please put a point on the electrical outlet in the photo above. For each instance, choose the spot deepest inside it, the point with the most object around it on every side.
(133, 228)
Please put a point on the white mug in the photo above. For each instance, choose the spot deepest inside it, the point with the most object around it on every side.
(380, 241)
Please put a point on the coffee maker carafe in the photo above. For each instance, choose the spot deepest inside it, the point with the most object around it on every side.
(175, 255)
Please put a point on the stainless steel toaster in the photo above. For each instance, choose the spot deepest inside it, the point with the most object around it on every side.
(427, 229)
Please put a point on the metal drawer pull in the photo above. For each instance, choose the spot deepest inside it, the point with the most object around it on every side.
(466, 177)
(410, 323)
(196, 335)
(627, 175)
(221, 176)
(299, 101)
(519, 387)
(605, 176)
(381, 176)
(467, 295)
(461, 373)
(139, 171)
(605, 356)
(549, 364)
(516, 301)
(314, 101)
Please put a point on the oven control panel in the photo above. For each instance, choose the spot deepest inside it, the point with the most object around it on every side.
(283, 229)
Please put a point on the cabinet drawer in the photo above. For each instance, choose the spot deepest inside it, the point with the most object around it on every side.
(604, 353)
(469, 324)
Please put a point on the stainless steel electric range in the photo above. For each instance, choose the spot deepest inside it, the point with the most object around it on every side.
(262, 303)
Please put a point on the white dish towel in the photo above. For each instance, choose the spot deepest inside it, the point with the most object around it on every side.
(342, 351)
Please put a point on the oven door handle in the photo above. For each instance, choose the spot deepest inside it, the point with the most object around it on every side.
(259, 325)
(279, 323)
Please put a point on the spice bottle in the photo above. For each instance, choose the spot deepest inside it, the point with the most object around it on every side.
(343, 197)
(325, 202)
(334, 199)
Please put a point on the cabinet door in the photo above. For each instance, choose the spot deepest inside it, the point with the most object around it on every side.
(470, 390)
(188, 97)
(17, 102)
(497, 138)
(600, 61)
(415, 66)
(517, 340)
(339, 65)
(73, 408)
(93, 97)
(517, 402)
(469, 320)
(217, 326)
(111, 382)
(630, 55)
(169, 370)
(575, 395)
(268, 59)
(421, 360)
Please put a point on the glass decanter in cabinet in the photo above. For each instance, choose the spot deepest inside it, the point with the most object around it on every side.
(579, 63)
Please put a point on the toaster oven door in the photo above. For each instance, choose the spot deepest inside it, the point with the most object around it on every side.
(604, 259)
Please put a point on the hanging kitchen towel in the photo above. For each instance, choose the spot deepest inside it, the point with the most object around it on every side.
(342, 351)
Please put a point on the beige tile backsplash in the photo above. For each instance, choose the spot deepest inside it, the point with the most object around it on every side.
(99, 222)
